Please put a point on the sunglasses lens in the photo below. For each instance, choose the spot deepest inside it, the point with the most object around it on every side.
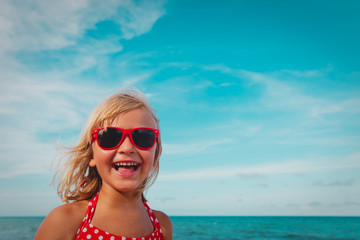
(109, 138)
(143, 138)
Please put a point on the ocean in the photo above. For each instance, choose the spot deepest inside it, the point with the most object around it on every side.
(197, 228)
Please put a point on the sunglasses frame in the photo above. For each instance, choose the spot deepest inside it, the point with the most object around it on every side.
(125, 132)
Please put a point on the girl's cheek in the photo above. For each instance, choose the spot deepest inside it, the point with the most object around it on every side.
(101, 154)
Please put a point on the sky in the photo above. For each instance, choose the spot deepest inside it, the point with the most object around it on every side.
(259, 101)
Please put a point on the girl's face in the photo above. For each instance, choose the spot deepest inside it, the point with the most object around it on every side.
(126, 167)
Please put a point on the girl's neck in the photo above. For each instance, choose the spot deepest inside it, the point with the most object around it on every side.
(113, 198)
(127, 208)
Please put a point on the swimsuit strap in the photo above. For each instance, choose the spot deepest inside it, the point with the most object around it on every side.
(89, 214)
(86, 227)
(154, 220)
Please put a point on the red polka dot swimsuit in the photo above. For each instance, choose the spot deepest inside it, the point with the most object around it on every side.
(88, 231)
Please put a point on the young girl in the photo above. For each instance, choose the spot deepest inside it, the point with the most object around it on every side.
(105, 175)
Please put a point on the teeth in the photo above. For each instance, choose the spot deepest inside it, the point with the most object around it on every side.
(126, 164)
(133, 166)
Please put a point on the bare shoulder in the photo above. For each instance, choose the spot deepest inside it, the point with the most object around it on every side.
(62, 222)
(165, 223)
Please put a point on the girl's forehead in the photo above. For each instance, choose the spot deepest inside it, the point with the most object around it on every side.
(134, 118)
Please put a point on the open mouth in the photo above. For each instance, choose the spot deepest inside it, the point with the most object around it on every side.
(126, 167)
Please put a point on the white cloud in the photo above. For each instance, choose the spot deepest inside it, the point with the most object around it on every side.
(299, 101)
(265, 169)
(349, 182)
(137, 19)
(305, 73)
(278, 93)
(38, 25)
(133, 80)
(29, 120)
(193, 147)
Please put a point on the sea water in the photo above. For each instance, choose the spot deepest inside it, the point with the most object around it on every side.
(294, 228)
(19, 227)
(262, 228)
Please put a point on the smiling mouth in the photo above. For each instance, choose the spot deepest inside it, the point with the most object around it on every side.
(126, 167)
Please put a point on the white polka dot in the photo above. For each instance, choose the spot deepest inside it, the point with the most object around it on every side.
(88, 236)
(160, 230)
(106, 233)
(90, 225)
(92, 209)
(96, 231)
(78, 231)
(123, 238)
(85, 229)
(100, 237)
(112, 238)
(90, 204)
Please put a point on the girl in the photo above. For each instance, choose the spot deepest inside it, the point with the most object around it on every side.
(105, 175)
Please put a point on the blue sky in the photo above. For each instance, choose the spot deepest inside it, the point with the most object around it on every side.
(259, 101)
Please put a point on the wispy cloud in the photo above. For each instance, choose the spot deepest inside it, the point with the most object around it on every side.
(249, 175)
(38, 25)
(315, 204)
(336, 183)
(193, 147)
(345, 204)
(32, 121)
(265, 169)
(43, 25)
(281, 92)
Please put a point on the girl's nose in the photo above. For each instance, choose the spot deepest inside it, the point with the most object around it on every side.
(126, 146)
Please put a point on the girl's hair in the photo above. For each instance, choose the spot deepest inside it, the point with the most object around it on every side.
(76, 179)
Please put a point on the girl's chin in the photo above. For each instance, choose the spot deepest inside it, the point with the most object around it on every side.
(128, 189)
(127, 185)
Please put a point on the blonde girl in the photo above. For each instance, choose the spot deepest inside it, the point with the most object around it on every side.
(106, 173)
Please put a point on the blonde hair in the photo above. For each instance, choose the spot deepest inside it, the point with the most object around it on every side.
(76, 179)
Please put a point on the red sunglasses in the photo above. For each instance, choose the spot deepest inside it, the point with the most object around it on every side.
(112, 137)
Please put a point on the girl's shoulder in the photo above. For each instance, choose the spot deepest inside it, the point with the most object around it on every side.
(70, 211)
(165, 223)
(63, 221)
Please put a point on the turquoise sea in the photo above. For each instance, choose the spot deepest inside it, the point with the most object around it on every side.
(311, 228)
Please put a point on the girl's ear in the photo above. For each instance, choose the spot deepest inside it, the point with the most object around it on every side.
(92, 163)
